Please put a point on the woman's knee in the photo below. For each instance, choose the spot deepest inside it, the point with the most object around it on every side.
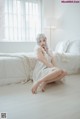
(58, 71)
(64, 72)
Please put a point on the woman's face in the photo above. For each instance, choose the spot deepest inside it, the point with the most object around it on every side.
(42, 42)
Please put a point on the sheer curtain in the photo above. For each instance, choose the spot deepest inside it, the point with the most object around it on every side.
(2, 22)
(22, 20)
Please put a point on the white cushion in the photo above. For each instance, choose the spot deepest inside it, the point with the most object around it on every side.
(68, 62)
(62, 46)
(74, 47)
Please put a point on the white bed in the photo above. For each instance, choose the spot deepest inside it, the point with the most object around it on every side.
(59, 101)
(11, 70)
(18, 67)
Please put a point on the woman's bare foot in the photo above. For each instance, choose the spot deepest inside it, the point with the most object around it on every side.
(43, 86)
(34, 88)
(65, 73)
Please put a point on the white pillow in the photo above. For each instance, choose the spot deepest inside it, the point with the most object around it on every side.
(74, 47)
(62, 46)
(68, 62)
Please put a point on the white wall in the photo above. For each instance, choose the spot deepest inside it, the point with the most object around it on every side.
(67, 16)
(47, 12)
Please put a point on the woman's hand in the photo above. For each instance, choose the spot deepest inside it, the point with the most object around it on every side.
(50, 65)
(42, 58)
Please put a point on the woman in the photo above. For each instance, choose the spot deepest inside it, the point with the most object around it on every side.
(45, 70)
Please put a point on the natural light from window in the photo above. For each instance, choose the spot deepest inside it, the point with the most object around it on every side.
(22, 20)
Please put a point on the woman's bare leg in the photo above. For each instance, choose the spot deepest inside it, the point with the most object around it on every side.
(43, 86)
(59, 77)
(62, 75)
(46, 79)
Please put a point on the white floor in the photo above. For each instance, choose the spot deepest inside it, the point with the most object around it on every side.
(59, 101)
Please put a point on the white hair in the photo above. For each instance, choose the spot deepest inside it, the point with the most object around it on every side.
(39, 37)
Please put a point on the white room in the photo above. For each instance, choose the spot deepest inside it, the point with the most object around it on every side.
(20, 23)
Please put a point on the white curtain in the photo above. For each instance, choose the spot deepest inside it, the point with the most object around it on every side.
(2, 22)
(22, 20)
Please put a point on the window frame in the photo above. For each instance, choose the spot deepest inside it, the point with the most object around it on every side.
(40, 13)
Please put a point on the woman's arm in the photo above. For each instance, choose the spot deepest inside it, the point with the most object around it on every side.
(41, 57)
(53, 61)
(52, 54)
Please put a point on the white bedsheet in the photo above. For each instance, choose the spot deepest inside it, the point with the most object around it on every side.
(16, 67)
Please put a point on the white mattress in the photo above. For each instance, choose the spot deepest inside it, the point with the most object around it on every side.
(16, 67)
(11, 70)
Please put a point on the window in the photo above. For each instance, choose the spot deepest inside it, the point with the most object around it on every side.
(22, 20)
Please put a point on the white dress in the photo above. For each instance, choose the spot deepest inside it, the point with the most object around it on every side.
(41, 70)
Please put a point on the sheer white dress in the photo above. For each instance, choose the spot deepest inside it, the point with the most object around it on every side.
(41, 70)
